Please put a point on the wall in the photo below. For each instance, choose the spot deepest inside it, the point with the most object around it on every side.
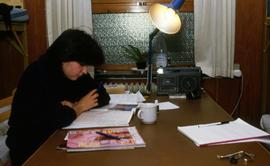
(11, 66)
(120, 29)
(249, 54)
(36, 28)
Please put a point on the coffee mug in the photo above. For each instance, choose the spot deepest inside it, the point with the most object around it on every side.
(147, 113)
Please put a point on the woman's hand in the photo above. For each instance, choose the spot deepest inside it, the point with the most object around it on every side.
(85, 103)
(67, 103)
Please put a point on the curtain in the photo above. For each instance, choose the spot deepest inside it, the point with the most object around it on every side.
(65, 14)
(214, 34)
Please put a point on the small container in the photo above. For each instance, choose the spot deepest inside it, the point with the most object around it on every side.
(161, 59)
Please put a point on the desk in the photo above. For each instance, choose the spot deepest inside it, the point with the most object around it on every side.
(165, 146)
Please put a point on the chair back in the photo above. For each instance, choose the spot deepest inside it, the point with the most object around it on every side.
(5, 108)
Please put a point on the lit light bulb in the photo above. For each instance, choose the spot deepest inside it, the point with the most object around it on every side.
(165, 19)
(169, 13)
(160, 70)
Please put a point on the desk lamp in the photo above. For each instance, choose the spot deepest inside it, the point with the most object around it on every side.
(165, 19)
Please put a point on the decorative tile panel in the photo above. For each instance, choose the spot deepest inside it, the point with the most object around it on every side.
(115, 30)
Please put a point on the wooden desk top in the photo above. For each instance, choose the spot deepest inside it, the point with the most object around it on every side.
(165, 146)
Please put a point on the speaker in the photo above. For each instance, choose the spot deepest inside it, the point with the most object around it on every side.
(180, 80)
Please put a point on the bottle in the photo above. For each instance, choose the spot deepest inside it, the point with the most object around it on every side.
(161, 59)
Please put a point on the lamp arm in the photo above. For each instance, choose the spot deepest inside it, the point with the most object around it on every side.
(149, 61)
(176, 4)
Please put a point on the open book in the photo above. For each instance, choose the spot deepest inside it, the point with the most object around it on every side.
(118, 113)
(113, 115)
(222, 133)
(104, 139)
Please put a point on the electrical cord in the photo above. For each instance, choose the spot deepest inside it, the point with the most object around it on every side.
(240, 96)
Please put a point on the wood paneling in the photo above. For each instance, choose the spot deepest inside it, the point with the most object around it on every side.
(132, 6)
(248, 53)
(268, 90)
(36, 29)
(225, 91)
(11, 66)
(11, 62)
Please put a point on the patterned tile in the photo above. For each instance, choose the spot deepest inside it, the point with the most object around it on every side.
(115, 30)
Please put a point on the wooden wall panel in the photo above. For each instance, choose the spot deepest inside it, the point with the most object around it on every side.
(36, 28)
(132, 6)
(11, 67)
(267, 95)
(224, 91)
(11, 62)
(248, 53)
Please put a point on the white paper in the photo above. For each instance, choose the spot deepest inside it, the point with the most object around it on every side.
(214, 134)
(126, 98)
(262, 140)
(167, 106)
(101, 118)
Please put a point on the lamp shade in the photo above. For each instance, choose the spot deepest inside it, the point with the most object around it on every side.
(165, 18)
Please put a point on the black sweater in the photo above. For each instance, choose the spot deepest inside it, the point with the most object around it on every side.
(36, 108)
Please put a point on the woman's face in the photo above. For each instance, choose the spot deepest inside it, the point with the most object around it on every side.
(73, 70)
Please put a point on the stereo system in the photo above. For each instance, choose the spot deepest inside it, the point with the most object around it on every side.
(180, 80)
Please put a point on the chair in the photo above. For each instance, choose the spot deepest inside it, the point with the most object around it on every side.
(265, 122)
(265, 125)
(5, 107)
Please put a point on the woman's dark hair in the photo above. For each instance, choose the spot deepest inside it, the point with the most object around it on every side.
(75, 45)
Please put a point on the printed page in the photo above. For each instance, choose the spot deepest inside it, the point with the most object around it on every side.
(101, 118)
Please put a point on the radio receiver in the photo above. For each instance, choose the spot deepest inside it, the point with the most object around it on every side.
(180, 80)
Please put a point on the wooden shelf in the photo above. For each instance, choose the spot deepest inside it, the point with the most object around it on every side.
(132, 6)
(20, 44)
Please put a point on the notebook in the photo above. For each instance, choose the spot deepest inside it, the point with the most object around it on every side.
(222, 133)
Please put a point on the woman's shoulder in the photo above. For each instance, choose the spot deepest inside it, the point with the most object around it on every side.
(37, 69)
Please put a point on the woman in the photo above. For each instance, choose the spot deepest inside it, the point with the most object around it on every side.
(53, 91)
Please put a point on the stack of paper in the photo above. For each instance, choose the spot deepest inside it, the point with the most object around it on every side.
(126, 98)
(167, 106)
(104, 139)
(102, 118)
(222, 133)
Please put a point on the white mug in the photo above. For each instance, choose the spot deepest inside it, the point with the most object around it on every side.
(147, 113)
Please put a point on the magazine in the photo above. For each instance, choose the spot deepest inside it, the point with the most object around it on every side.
(104, 139)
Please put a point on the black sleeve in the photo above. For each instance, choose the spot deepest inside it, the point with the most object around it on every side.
(33, 106)
(89, 84)
(104, 97)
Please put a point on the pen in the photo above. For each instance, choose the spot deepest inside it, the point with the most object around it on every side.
(214, 124)
(108, 135)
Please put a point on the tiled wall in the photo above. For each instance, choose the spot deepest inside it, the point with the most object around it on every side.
(115, 30)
